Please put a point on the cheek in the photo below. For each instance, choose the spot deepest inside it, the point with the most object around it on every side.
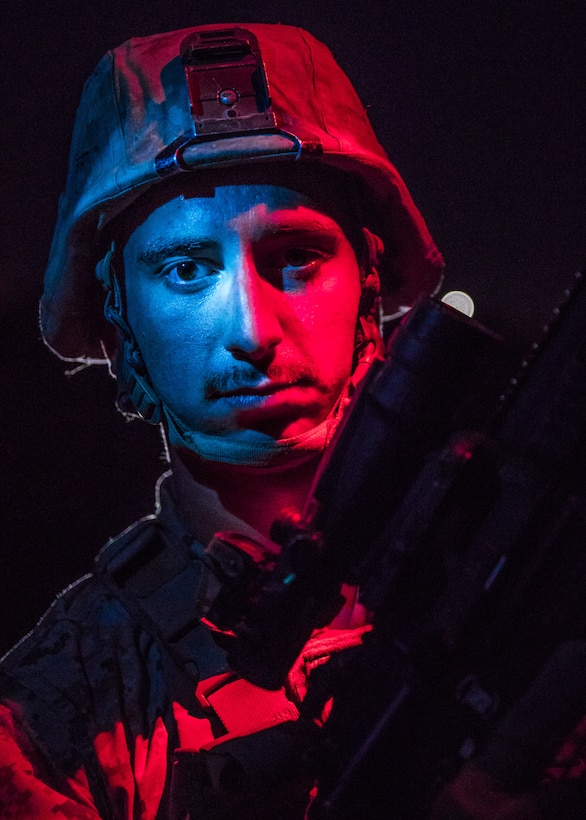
(331, 323)
(175, 346)
(338, 308)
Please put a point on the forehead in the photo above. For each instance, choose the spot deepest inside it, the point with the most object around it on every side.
(219, 198)
(250, 212)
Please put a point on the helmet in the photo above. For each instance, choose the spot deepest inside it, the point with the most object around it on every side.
(214, 96)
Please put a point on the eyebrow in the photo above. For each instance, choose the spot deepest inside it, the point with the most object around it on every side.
(297, 227)
(303, 227)
(160, 249)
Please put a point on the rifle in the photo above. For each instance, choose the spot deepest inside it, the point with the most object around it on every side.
(461, 532)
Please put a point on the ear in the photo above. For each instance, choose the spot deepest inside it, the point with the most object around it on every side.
(372, 252)
(375, 247)
(369, 344)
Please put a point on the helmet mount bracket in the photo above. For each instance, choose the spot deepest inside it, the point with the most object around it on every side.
(227, 82)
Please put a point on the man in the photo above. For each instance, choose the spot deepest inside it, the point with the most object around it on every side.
(229, 233)
(229, 203)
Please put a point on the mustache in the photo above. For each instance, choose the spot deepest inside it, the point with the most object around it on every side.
(246, 375)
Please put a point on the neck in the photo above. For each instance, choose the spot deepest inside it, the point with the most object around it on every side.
(255, 495)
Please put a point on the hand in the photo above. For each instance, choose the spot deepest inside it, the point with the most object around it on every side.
(506, 782)
(475, 795)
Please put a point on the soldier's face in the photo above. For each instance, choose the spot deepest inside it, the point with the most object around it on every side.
(244, 304)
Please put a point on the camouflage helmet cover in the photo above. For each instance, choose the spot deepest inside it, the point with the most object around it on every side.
(135, 114)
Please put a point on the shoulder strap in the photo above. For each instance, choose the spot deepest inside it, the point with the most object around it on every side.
(157, 581)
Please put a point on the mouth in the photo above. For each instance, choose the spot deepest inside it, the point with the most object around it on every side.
(247, 395)
(265, 388)
(272, 406)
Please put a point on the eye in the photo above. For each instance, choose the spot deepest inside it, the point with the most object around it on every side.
(297, 262)
(188, 274)
(299, 257)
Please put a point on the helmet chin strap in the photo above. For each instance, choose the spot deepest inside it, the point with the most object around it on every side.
(262, 450)
(137, 397)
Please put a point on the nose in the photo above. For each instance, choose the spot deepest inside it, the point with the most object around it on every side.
(253, 327)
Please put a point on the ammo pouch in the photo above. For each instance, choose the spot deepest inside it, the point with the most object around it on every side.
(260, 776)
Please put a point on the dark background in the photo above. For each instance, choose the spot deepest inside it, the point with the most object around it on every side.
(480, 105)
